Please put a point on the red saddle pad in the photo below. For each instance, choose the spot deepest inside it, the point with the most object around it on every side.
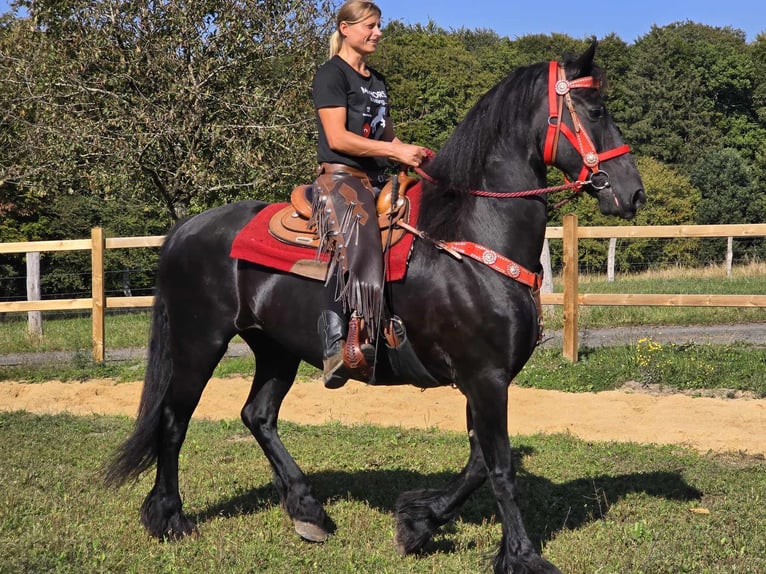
(254, 243)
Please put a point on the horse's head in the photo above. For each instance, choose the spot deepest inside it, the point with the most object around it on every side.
(583, 141)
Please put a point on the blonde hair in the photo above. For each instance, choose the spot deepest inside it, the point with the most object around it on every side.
(352, 12)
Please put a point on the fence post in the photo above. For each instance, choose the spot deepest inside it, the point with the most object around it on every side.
(570, 342)
(729, 255)
(545, 262)
(34, 293)
(97, 285)
(611, 256)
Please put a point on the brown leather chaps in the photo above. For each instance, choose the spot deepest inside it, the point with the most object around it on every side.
(346, 220)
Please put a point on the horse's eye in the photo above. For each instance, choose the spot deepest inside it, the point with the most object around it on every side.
(596, 113)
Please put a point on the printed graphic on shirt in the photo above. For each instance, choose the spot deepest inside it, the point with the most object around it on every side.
(378, 101)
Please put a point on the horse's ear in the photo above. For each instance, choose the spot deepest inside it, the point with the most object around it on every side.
(583, 66)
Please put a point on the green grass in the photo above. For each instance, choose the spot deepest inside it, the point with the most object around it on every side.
(61, 333)
(745, 280)
(602, 507)
(590, 507)
(683, 367)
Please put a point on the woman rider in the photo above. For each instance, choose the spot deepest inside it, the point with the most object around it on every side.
(356, 140)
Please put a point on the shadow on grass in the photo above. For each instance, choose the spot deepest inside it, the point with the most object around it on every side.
(547, 507)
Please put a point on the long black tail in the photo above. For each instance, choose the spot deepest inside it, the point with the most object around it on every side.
(139, 451)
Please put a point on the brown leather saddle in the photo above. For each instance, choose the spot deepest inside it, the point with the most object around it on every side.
(291, 224)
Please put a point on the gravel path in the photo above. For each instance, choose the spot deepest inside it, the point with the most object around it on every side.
(754, 333)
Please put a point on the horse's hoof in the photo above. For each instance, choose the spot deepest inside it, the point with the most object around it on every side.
(310, 532)
(401, 549)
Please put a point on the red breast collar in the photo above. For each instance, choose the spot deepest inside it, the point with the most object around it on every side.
(497, 262)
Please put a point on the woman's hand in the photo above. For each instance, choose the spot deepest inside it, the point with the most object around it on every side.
(408, 154)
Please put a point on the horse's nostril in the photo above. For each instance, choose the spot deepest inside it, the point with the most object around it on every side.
(639, 197)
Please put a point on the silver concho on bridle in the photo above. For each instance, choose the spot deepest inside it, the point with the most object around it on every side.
(562, 87)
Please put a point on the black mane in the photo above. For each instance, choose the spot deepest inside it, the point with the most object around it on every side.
(461, 162)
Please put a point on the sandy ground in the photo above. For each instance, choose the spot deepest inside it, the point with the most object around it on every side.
(633, 414)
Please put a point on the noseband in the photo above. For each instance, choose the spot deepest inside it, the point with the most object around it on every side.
(559, 95)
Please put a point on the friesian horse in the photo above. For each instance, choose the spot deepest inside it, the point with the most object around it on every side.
(470, 325)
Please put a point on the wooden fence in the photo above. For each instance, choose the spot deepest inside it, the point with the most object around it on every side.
(570, 297)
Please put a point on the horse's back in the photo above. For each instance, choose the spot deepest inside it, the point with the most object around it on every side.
(211, 229)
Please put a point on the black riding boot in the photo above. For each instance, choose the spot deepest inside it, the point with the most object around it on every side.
(332, 331)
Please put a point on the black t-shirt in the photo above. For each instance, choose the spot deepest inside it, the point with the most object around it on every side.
(338, 85)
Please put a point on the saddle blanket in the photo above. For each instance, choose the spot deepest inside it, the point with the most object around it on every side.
(255, 244)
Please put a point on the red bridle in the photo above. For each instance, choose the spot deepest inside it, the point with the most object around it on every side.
(558, 96)
(559, 89)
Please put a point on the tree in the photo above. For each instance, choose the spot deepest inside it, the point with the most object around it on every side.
(183, 105)
(671, 200)
(729, 195)
(540, 47)
(434, 78)
(689, 87)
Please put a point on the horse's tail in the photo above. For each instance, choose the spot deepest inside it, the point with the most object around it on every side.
(139, 451)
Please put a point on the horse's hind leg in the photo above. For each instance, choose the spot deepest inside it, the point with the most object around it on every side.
(420, 512)
(162, 510)
(275, 372)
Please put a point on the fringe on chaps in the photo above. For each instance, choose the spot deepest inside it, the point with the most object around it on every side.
(345, 217)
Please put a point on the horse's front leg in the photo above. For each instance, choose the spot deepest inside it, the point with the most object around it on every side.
(275, 372)
(420, 512)
(488, 404)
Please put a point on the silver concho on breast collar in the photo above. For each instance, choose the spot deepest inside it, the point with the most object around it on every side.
(489, 257)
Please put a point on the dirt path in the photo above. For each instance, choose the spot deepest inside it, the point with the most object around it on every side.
(706, 424)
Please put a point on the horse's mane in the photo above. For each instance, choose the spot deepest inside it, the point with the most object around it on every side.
(461, 162)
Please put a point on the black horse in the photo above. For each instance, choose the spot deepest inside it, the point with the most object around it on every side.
(469, 325)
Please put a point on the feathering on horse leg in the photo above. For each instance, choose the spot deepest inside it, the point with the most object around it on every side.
(420, 513)
(489, 410)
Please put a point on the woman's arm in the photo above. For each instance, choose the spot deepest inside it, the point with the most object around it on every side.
(343, 141)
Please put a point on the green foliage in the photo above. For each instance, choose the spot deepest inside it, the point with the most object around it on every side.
(672, 200)
(730, 194)
(435, 77)
(728, 188)
(688, 87)
(176, 105)
(130, 115)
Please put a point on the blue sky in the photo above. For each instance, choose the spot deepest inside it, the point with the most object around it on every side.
(629, 19)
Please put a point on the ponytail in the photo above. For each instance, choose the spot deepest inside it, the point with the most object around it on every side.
(336, 41)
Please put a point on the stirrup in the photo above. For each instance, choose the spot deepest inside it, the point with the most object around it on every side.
(358, 357)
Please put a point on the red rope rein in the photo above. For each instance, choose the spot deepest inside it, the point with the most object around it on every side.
(575, 185)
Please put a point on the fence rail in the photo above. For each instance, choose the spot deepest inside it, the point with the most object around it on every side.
(569, 298)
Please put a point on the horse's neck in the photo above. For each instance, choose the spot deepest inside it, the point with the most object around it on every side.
(512, 227)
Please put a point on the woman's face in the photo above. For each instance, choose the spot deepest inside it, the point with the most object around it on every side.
(362, 36)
